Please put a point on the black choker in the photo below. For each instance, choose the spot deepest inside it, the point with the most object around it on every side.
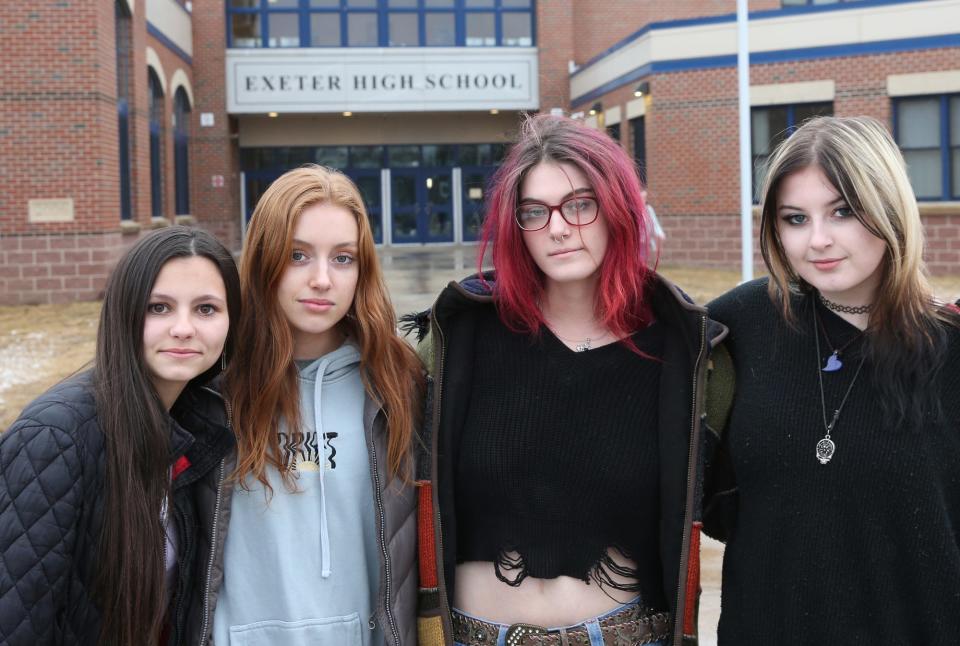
(846, 309)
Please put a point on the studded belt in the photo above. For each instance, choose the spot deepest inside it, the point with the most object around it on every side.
(631, 626)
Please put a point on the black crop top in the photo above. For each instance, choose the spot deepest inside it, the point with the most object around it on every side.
(558, 460)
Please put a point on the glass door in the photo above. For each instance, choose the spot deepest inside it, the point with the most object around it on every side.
(421, 204)
(404, 205)
(474, 187)
(368, 181)
(437, 217)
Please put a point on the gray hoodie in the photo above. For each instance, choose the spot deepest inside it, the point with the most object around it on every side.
(303, 567)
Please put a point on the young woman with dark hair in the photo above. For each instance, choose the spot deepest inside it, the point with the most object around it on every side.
(565, 426)
(107, 480)
(321, 543)
(836, 483)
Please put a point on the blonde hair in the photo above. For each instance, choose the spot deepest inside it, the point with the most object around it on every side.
(862, 162)
(262, 378)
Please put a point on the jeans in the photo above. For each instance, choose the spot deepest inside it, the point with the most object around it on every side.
(592, 625)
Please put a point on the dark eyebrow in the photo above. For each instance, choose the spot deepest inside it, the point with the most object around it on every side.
(576, 191)
(205, 297)
(790, 207)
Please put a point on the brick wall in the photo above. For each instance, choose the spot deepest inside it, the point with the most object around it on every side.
(213, 150)
(692, 144)
(58, 132)
(59, 139)
(555, 43)
(598, 30)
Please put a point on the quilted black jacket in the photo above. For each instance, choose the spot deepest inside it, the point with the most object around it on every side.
(51, 506)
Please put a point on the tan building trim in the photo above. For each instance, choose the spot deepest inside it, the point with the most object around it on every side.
(923, 83)
(612, 116)
(368, 129)
(153, 60)
(636, 108)
(178, 80)
(787, 93)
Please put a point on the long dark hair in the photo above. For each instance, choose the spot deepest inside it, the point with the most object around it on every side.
(130, 567)
(907, 335)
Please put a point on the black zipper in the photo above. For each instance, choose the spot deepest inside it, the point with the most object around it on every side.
(215, 526)
(688, 510)
(438, 523)
(383, 542)
(213, 552)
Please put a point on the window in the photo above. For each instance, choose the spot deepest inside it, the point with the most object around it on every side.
(362, 30)
(770, 125)
(155, 101)
(637, 127)
(380, 23)
(927, 130)
(124, 58)
(181, 151)
(614, 131)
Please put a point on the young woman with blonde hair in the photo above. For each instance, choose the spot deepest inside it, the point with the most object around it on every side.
(321, 541)
(836, 482)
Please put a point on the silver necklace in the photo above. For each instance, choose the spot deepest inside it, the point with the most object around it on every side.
(826, 447)
(846, 309)
(579, 346)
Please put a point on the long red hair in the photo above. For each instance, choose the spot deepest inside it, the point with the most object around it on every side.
(624, 271)
(261, 381)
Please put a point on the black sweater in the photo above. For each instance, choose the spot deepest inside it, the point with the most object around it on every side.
(555, 442)
(862, 550)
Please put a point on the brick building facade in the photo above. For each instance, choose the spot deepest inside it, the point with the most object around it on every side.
(125, 115)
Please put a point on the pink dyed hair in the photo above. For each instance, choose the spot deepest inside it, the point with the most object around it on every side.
(624, 272)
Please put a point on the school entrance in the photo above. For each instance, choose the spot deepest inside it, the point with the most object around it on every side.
(415, 194)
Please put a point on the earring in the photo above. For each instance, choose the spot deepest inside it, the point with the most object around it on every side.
(223, 361)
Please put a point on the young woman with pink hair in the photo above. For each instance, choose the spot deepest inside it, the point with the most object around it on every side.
(561, 495)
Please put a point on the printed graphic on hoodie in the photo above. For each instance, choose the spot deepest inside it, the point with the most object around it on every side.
(301, 451)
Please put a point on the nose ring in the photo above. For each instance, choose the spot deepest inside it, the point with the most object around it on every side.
(563, 236)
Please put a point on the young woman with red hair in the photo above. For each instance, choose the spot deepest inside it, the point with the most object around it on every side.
(568, 392)
(325, 396)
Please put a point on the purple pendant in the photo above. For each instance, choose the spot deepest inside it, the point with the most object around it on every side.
(833, 363)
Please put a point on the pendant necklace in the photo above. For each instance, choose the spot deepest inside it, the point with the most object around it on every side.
(826, 447)
(833, 361)
(579, 346)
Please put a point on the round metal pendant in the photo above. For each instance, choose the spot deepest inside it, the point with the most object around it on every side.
(825, 450)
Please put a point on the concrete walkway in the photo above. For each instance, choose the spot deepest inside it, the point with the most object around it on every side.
(415, 275)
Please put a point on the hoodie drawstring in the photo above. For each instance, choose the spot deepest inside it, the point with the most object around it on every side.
(318, 425)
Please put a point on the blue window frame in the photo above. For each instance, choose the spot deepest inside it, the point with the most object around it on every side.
(181, 151)
(380, 23)
(155, 99)
(638, 128)
(770, 125)
(927, 129)
(124, 59)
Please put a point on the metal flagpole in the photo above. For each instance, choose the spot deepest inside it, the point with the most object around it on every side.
(746, 157)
